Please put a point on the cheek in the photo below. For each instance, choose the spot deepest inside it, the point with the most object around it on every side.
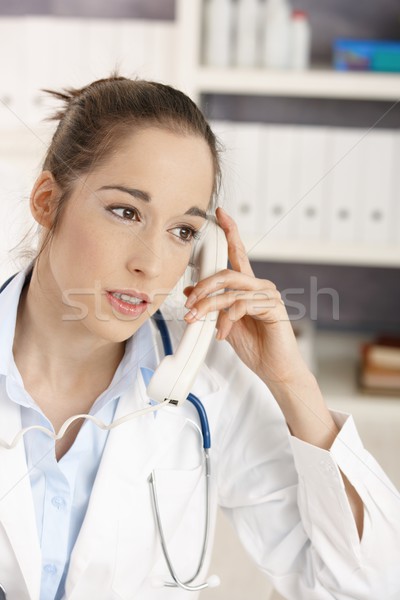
(81, 251)
(87, 239)
(173, 271)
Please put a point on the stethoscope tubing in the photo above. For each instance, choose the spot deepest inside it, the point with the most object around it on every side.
(205, 429)
(176, 581)
(167, 347)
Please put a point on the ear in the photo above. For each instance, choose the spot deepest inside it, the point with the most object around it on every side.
(43, 198)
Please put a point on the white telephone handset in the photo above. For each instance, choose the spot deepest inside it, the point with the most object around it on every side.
(176, 373)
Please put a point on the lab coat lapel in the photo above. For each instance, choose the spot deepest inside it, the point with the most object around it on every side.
(17, 514)
(121, 488)
(120, 508)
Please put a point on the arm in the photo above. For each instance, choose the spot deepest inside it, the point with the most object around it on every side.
(255, 322)
(286, 499)
(311, 421)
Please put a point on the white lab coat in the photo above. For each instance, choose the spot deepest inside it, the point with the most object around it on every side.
(284, 496)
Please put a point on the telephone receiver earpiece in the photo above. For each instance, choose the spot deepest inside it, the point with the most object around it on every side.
(175, 375)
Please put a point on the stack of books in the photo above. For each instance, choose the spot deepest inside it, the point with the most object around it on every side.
(380, 366)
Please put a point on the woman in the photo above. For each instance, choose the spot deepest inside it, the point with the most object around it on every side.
(129, 177)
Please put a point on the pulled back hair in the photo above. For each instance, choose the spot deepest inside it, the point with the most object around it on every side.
(97, 118)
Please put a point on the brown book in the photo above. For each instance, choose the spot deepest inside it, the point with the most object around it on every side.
(383, 352)
(379, 371)
(380, 377)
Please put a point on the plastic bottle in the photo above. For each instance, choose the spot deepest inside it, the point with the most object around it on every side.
(218, 29)
(275, 47)
(300, 45)
(246, 49)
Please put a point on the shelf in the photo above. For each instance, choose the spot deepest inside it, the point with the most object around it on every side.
(323, 252)
(315, 83)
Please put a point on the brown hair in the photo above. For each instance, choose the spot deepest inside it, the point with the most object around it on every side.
(99, 116)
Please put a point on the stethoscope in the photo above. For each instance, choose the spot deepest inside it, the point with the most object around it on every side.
(213, 580)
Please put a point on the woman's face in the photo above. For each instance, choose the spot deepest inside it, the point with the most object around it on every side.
(139, 241)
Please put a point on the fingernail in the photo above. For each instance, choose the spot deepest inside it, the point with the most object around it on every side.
(191, 314)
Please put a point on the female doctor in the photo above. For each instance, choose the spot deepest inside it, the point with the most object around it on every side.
(127, 181)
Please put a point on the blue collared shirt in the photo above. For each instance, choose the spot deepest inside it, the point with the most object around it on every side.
(61, 489)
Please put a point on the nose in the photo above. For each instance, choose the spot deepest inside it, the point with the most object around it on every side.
(147, 257)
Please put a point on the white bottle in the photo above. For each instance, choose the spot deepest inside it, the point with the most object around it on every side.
(276, 33)
(300, 46)
(246, 47)
(217, 30)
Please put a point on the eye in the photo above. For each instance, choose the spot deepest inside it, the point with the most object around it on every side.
(126, 210)
(186, 234)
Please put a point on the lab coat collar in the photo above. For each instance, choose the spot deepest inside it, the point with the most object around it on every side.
(17, 513)
(9, 300)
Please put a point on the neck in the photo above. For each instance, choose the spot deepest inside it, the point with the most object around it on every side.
(63, 353)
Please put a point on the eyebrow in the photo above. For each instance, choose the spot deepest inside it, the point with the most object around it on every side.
(141, 195)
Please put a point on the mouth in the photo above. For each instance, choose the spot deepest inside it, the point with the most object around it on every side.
(130, 303)
(128, 295)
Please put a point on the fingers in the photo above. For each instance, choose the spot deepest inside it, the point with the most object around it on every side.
(226, 279)
(262, 304)
(236, 251)
(242, 293)
(237, 257)
(188, 289)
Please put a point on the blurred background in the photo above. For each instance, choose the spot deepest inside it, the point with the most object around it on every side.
(304, 97)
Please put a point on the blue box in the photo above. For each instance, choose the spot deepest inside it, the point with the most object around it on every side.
(366, 55)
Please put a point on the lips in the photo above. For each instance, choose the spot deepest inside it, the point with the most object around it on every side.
(130, 292)
(126, 308)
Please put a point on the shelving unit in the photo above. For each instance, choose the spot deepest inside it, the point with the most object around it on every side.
(315, 83)
(23, 144)
(261, 248)
(322, 82)
(336, 353)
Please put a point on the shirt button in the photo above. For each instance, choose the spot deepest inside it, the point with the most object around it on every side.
(50, 569)
(58, 502)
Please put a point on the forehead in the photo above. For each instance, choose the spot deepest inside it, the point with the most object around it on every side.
(163, 162)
